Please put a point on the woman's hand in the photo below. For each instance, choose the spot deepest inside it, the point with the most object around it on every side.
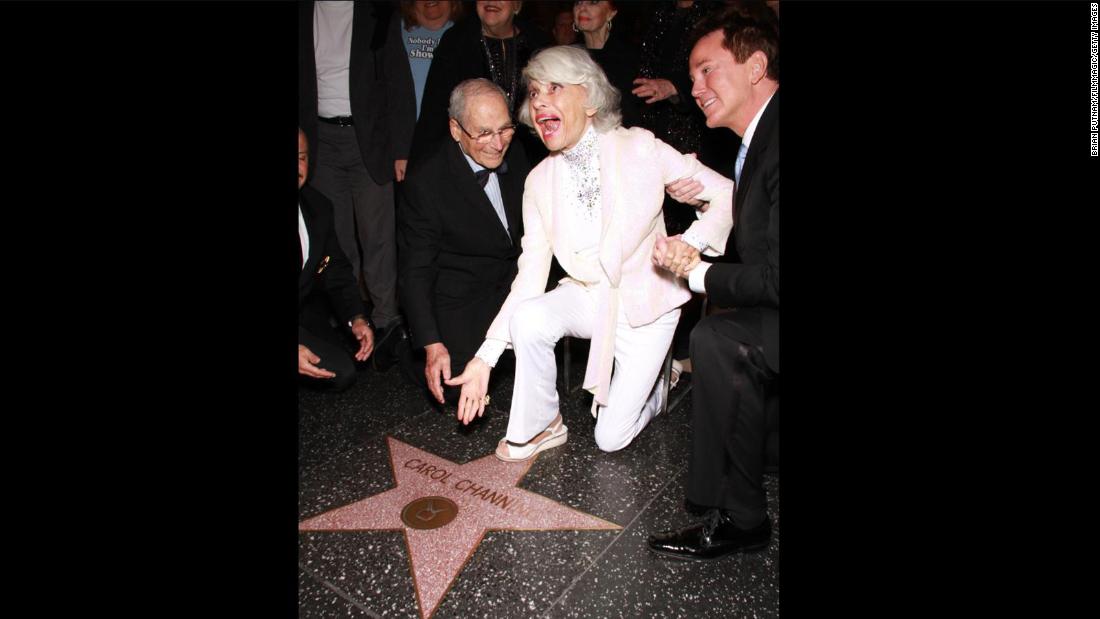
(475, 384)
(655, 89)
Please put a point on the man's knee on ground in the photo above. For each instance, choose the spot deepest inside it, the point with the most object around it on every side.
(343, 380)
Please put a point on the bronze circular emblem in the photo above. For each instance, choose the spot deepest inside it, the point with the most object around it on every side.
(429, 512)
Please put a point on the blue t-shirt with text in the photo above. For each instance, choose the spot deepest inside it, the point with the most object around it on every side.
(420, 44)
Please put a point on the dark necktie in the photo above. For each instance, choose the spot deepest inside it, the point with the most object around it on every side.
(483, 175)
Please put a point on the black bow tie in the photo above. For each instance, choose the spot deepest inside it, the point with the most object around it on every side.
(483, 175)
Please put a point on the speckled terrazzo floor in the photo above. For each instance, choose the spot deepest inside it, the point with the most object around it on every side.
(345, 457)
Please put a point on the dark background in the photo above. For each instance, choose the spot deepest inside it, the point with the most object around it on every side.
(935, 160)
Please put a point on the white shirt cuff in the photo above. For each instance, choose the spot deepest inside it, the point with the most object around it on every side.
(697, 277)
(490, 351)
(692, 239)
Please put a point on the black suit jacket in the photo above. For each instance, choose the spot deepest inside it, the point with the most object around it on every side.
(401, 92)
(752, 285)
(366, 88)
(456, 261)
(336, 277)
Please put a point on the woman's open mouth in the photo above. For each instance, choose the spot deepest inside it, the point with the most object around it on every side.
(548, 124)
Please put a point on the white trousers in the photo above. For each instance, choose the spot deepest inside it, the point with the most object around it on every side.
(570, 309)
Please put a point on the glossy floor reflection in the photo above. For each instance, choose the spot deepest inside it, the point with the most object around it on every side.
(344, 457)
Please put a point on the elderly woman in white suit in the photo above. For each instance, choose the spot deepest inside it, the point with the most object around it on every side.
(595, 204)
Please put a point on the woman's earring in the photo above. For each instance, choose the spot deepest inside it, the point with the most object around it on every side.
(609, 25)
(575, 28)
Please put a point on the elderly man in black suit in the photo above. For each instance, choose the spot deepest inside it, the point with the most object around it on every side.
(322, 359)
(460, 230)
(735, 72)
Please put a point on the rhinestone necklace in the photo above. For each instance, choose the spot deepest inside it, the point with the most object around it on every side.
(497, 73)
(583, 161)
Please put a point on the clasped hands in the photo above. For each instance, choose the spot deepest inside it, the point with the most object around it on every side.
(674, 255)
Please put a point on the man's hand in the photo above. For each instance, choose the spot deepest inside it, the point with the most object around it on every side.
(675, 255)
(655, 89)
(659, 249)
(475, 383)
(307, 364)
(399, 166)
(684, 191)
(363, 333)
(438, 363)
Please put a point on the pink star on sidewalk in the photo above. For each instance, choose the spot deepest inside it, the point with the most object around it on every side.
(486, 497)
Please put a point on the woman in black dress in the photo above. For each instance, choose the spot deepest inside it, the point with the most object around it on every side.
(616, 57)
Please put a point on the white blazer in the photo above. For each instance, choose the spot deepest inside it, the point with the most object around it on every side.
(634, 168)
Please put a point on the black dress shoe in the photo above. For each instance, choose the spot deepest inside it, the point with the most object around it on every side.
(386, 346)
(713, 538)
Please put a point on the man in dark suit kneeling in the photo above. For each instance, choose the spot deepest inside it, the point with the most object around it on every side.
(735, 72)
(460, 225)
(322, 359)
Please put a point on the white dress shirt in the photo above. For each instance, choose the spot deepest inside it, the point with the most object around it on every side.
(492, 190)
(491, 350)
(303, 235)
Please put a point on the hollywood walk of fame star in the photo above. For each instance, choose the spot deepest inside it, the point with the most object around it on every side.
(486, 496)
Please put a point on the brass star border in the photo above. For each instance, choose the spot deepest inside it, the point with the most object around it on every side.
(487, 497)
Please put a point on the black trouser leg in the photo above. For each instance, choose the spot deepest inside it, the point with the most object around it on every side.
(729, 425)
(319, 336)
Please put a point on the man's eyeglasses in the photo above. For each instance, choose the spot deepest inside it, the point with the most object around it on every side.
(486, 136)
